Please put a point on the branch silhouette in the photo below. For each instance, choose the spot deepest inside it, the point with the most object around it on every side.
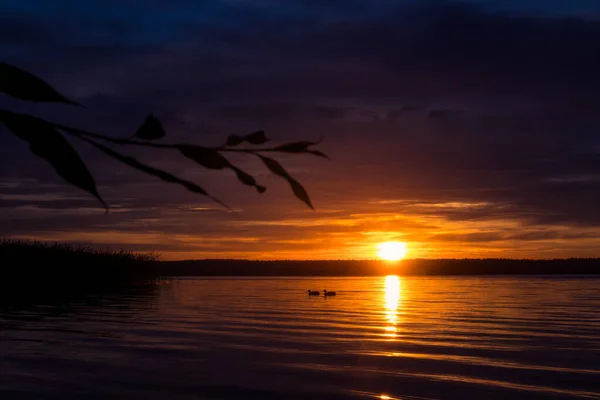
(46, 140)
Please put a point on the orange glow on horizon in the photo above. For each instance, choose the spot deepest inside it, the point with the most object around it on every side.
(352, 232)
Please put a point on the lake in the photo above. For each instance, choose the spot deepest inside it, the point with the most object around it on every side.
(379, 338)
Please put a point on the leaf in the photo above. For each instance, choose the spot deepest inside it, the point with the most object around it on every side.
(165, 176)
(248, 179)
(47, 143)
(300, 147)
(23, 85)
(212, 159)
(152, 129)
(319, 154)
(296, 147)
(278, 170)
(208, 158)
(257, 137)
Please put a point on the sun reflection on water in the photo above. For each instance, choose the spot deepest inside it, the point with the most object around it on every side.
(392, 297)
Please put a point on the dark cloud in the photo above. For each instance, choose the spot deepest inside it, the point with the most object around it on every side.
(285, 111)
(431, 50)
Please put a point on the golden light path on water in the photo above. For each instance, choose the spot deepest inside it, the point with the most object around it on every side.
(392, 299)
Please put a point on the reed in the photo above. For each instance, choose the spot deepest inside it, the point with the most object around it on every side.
(39, 270)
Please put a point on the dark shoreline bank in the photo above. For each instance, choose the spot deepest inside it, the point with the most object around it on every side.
(417, 267)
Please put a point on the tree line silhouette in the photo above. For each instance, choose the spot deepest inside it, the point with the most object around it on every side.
(412, 267)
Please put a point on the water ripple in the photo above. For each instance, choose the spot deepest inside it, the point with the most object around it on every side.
(380, 338)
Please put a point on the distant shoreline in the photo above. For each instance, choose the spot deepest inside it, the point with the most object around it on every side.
(360, 268)
(57, 267)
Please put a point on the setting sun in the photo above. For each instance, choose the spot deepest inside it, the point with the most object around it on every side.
(392, 251)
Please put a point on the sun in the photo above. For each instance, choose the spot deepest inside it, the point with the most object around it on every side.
(392, 251)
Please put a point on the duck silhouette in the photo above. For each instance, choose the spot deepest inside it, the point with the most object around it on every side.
(326, 293)
(313, 292)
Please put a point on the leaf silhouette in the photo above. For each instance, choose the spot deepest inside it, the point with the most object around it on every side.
(296, 147)
(247, 179)
(163, 175)
(276, 168)
(23, 85)
(212, 159)
(49, 144)
(208, 158)
(257, 137)
(318, 153)
(151, 129)
(300, 147)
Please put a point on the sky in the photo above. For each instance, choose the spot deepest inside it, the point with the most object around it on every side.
(466, 129)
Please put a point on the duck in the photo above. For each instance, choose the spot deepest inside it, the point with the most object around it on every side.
(313, 292)
(326, 293)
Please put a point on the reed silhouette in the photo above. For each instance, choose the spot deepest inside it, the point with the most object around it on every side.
(33, 271)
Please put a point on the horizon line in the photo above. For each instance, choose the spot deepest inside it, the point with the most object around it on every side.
(386, 261)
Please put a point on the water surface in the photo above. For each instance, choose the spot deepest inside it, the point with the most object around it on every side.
(379, 338)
